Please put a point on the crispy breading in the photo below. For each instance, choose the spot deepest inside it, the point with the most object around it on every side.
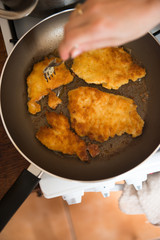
(53, 100)
(100, 115)
(59, 136)
(93, 149)
(111, 67)
(39, 87)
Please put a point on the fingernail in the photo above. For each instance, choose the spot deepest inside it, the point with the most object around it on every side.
(76, 52)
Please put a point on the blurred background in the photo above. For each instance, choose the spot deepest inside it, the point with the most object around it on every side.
(96, 218)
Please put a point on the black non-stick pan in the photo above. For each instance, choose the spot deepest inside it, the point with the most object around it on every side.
(117, 155)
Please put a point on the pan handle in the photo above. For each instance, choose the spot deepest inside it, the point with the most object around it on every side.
(16, 195)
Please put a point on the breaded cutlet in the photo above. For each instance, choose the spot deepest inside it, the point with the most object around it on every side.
(39, 87)
(59, 137)
(100, 115)
(112, 67)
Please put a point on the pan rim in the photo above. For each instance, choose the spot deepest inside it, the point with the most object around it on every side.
(9, 135)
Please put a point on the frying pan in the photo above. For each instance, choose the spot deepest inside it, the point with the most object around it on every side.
(118, 156)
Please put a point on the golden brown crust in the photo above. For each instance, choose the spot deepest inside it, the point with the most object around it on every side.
(60, 138)
(93, 149)
(111, 67)
(53, 100)
(101, 115)
(39, 87)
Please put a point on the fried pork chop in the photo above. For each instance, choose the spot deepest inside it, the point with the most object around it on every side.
(39, 87)
(59, 137)
(53, 100)
(100, 115)
(111, 67)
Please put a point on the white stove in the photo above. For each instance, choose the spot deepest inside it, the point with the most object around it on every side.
(72, 191)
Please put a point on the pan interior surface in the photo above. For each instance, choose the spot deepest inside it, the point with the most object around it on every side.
(120, 154)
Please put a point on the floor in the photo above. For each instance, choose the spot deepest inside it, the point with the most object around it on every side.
(96, 218)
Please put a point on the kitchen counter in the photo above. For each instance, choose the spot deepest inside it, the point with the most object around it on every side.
(11, 162)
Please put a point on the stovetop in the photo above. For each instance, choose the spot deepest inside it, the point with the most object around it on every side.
(13, 30)
(72, 191)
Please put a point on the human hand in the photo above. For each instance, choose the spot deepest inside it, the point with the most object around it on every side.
(106, 23)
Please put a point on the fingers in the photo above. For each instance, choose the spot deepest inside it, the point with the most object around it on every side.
(86, 31)
(90, 30)
(79, 34)
(92, 45)
(103, 23)
(73, 40)
(79, 23)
